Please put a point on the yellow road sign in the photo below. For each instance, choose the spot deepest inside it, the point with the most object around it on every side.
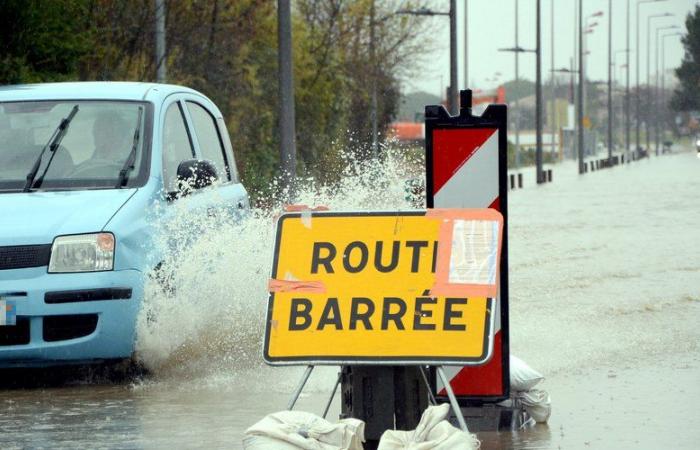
(384, 287)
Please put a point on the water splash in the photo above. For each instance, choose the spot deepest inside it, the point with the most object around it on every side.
(203, 312)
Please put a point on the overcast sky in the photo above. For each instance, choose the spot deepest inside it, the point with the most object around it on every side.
(492, 26)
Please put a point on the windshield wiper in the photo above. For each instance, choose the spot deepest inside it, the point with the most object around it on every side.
(52, 145)
(130, 161)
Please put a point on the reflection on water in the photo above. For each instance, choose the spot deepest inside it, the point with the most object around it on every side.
(605, 301)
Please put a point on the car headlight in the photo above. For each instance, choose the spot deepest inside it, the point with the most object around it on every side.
(82, 253)
(697, 143)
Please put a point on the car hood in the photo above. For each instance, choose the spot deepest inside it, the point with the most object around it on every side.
(37, 217)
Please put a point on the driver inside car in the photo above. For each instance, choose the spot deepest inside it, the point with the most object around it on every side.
(112, 139)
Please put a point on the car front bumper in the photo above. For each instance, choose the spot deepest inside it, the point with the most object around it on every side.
(69, 318)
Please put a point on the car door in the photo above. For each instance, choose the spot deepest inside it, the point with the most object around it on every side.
(211, 142)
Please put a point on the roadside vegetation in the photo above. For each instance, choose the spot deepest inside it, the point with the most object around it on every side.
(227, 49)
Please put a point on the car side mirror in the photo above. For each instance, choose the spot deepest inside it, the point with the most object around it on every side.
(195, 174)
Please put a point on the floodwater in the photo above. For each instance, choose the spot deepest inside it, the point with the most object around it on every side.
(605, 302)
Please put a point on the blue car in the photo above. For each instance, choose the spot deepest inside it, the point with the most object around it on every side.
(84, 167)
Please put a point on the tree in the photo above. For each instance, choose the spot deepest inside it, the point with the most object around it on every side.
(227, 49)
(42, 41)
(687, 96)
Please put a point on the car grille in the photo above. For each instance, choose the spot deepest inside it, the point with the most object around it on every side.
(62, 328)
(16, 334)
(22, 256)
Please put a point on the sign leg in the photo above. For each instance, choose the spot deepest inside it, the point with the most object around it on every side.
(431, 397)
(330, 400)
(297, 392)
(453, 399)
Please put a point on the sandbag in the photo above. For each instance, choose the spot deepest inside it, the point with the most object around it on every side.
(433, 432)
(298, 430)
(537, 404)
(522, 376)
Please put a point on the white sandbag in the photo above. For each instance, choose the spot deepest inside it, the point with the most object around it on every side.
(537, 404)
(298, 430)
(432, 433)
(522, 376)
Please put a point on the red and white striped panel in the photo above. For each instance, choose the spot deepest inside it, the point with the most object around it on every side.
(466, 175)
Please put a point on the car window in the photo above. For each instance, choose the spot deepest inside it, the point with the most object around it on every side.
(209, 140)
(98, 141)
(232, 170)
(177, 145)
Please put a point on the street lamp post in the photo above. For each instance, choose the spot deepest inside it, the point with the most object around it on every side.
(538, 89)
(538, 97)
(553, 88)
(571, 71)
(637, 97)
(616, 80)
(663, 73)
(517, 79)
(288, 154)
(648, 84)
(627, 88)
(466, 43)
(588, 30)
(579, 110)
(453, 99)
(619, 76)
(610, 118)
(517, 50)
(656, 85)
(161, 69)
(373, 96)
(454, 83)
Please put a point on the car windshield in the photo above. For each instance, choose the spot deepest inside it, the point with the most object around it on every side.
(92, 153)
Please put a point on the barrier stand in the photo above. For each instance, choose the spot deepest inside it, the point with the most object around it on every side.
(466, 167)
(300, 387)
(440, 371)
(330, 399)
(332, 302)
(453, 400)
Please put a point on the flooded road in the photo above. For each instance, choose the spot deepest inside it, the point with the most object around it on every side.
(605, 302)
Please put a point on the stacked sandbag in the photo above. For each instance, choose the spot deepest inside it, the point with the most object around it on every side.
(298, 430)
(433, 432)
(523, 379)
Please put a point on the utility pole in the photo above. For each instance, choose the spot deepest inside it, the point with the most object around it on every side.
(574, 89)
(454, 81)
(579, 109)
(627, 90)
(553, 101)
(618, 75)
(466, 44)
(161, 71)
(637, 98)
(517, 49)
(646, 122)
(373, 71)
(517, 81)
(288, 154)
(610, 114)
(656, 86)
(663, 107)
(453, 91)
(538, 96)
